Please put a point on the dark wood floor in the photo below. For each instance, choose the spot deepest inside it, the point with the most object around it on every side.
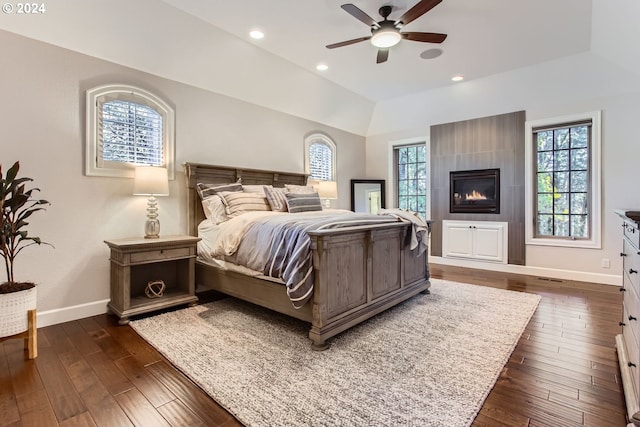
(93, 372)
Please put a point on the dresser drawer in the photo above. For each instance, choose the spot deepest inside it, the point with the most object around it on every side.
(159, 255)
(631, 264)
(633, 234)
(631, 305)
(633, 352)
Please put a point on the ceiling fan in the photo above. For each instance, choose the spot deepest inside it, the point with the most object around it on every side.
(386, 33)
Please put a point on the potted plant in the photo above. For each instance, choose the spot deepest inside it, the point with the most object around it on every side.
(16, 206)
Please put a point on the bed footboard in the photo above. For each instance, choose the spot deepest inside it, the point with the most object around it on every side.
(360, 272)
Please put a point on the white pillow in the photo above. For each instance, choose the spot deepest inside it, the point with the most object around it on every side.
(214, 209)
(255, 188)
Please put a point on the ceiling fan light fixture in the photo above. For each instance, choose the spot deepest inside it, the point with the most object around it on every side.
(386, 37)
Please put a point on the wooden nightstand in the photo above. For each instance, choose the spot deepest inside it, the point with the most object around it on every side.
(137, 261)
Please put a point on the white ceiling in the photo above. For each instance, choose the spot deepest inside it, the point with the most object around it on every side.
(484, 37)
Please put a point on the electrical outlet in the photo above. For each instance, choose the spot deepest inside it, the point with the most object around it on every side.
(605, 263)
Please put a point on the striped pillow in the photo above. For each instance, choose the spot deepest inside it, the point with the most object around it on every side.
(303, 202)
(276, 198)
(292, 188)
(206, 190)
(237, 203)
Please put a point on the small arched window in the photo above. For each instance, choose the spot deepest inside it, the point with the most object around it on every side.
(127, 127)
(320, 157)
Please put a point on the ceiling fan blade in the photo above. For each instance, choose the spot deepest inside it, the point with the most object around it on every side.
(347, 42)
(357, 13)
(383, 55)
(425, 37)
(417, 11)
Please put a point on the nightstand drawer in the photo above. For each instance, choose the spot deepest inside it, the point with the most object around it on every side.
(160, 254)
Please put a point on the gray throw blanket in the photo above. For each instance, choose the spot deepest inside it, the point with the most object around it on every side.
(288, 246)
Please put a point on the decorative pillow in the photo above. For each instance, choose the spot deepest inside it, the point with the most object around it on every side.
(255, 188)
(299, 188)
(276, 198)
(214, 209)
(240, 202)
(303, 202)
(206, 190)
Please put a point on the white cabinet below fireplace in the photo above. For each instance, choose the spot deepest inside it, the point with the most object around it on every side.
(477, 240)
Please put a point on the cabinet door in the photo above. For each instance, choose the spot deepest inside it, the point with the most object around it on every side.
(457, 240)
(488, 242)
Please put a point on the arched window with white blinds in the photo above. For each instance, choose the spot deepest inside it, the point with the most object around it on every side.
(320, 157)
(127, 127)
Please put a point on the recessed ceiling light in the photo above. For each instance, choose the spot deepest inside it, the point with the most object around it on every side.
(322, 67)
(457, 78)
(256, 34)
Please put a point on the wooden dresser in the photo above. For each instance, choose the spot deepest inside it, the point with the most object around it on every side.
(627, 343)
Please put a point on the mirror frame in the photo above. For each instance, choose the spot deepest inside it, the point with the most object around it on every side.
(382, 184)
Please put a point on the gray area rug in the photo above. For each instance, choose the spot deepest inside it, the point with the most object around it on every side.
(430, 361)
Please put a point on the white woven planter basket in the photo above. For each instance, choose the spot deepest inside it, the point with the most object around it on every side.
(13, 311)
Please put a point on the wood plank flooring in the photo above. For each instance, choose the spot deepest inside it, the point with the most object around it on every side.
(92, 372)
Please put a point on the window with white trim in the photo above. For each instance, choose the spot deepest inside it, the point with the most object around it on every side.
(127, 127)
(320, 157)
(563, 181)
(411, 177)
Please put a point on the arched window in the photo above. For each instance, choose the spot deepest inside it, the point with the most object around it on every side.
(320, 157)
(127, 127)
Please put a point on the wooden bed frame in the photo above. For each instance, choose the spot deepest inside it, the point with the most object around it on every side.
(358, 271)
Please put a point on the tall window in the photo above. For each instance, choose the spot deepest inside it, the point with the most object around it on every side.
(320, 157)
(411, 177)
(565, 187)
(126, 127)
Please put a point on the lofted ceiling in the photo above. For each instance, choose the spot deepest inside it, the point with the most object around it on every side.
(485, 37)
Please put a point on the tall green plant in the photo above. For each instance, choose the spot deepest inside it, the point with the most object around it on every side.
(16, 205)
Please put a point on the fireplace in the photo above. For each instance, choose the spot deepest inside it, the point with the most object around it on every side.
(474, 191)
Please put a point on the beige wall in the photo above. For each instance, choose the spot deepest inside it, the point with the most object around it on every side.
(43, 126)
(572, 85)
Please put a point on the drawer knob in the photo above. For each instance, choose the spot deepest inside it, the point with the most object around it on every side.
(622, 324)
(632, 271)
(631, 364)
(623, 290)
(632, 318)
(623, 254)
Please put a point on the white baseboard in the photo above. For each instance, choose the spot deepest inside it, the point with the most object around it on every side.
(582, 276)
(67, 314)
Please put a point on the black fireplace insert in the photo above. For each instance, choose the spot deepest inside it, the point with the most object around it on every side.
(474, 191)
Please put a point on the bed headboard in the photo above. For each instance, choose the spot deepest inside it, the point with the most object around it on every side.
(212, 174)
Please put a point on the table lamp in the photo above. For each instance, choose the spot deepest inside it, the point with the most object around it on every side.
(328, 190)
(151, 181)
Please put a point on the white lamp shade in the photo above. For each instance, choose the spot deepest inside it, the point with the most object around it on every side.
(151, 181)
(328, 189)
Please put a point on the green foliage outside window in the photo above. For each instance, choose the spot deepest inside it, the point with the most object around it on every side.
(562, 166)
(412, 178)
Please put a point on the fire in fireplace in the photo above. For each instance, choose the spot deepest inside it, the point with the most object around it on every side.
(474, 191)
